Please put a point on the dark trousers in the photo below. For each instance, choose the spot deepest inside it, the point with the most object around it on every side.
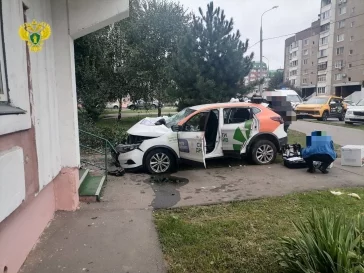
(325, 160)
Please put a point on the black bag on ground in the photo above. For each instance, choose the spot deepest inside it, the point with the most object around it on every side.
(292, 158)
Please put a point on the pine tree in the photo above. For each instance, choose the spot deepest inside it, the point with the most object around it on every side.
(209, 65)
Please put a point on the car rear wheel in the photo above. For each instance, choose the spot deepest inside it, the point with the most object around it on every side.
(324, 116)
(116, 107)
(160, 161)
(264, 152)
(132, 107)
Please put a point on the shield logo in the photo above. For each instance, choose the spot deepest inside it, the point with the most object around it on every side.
(35, 38)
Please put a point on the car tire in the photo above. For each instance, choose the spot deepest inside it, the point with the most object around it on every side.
(324, 116)
(153, 107)
(132, 107)
(349, 123)
(115, 107)
(342, 117)
(264, 152)
(163, 155)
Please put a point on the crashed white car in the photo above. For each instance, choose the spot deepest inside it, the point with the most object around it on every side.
(355, 114)
(201, 132)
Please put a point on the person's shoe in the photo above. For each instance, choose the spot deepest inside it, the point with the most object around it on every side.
(311, 170)
(324, 171)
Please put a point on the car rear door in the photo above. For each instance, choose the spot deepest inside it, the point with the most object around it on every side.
(191, 139)
(236, 130)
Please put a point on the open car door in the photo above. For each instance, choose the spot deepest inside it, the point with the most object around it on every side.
(191, 139)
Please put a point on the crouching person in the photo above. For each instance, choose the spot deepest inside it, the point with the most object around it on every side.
(319, 147)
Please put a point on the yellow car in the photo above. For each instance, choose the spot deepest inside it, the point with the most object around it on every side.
(322, 108)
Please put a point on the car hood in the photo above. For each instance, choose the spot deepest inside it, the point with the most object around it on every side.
(308, 106)
(147, 128)
(356, 108)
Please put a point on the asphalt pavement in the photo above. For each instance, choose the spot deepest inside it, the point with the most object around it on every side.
(340, 135)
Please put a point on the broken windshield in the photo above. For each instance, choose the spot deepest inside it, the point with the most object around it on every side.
(173, 120)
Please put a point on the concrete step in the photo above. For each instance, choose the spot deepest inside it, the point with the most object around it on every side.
(90, 188)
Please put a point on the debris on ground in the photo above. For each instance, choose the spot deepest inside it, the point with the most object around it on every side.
(354, 195)
(116, 171)
(336, 192)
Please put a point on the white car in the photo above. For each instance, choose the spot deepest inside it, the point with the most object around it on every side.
(112, 105)
(201, 132)
(355, 114)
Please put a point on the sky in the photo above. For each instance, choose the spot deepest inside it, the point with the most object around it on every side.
(291, 16)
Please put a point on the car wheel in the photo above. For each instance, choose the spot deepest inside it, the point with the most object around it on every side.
(160, 161)
(342, 117)
(324, 116)
(349, 123)
(132, 107)
(116, 107)
(153, 107)
(264, 152)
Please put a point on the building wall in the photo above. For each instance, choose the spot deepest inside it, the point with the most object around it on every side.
(39, 154)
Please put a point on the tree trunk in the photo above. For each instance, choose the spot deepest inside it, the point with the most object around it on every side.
(159, 111)
(120, 106)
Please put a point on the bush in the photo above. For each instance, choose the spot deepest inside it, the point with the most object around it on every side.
(115, 134)
(326, 243)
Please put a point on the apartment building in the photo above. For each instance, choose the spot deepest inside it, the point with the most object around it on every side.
(254, 73)
(333, 60)
(300, 63)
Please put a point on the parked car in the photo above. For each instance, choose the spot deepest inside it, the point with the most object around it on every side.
(141, 104)
(349, 102)
(112, 105)
(322, 108)
(201, 132)
(291, 96)
(355, 114)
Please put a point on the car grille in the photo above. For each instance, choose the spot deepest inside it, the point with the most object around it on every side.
(356, 120)
(310, 112)
(356, 113)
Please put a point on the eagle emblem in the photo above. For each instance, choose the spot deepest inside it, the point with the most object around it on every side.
(35, 33)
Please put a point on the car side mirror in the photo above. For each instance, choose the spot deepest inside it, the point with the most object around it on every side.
(177, 128)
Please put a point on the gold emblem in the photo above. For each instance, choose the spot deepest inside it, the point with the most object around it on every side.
(35, 34)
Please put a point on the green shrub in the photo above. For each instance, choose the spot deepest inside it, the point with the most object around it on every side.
(326, 243)
(115, 134)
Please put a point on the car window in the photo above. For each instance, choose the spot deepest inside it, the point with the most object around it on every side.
(293, 98)
(196, 123)
(236, 115)
(360, 103)
(336, 101)
(175, 119)
(256, 110)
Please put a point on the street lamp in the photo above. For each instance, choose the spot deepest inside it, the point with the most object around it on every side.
(267, 68)
(261, 46)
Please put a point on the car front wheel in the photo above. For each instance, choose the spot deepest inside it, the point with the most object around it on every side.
(160, 161)
(324, 116)
(264, 152)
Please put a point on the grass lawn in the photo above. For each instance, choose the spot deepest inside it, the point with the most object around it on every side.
(354, 126)
(239, 236)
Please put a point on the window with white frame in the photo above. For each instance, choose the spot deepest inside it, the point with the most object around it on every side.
(338, 77)
(322, 66)
(341, 24)
(3, 89)
(305, 61)
(351, 51)
(305, 42)
(325, 15)
(305, 72)
(340, 50)
(294, 63)
(340, 37)
(325, 27)
(322, 53)
(342, 10)
(321, 90)
(293, 73)
(305, 52)
(324, 41)
(339, 64)
(304, 80)
(321, 78)
(352, 24)
(294, 54)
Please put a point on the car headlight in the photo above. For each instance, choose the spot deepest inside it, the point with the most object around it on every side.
(127, 148)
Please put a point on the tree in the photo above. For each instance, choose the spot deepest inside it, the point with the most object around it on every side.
(153, 36)
(209, 64)
(276, 82)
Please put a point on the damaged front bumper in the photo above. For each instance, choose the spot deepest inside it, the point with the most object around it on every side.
(129, 156)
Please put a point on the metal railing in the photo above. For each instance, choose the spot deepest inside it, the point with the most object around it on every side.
(102, 147)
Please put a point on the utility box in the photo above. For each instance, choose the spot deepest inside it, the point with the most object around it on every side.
(352, 155)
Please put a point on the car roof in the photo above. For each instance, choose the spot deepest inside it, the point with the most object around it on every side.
(205, 107)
